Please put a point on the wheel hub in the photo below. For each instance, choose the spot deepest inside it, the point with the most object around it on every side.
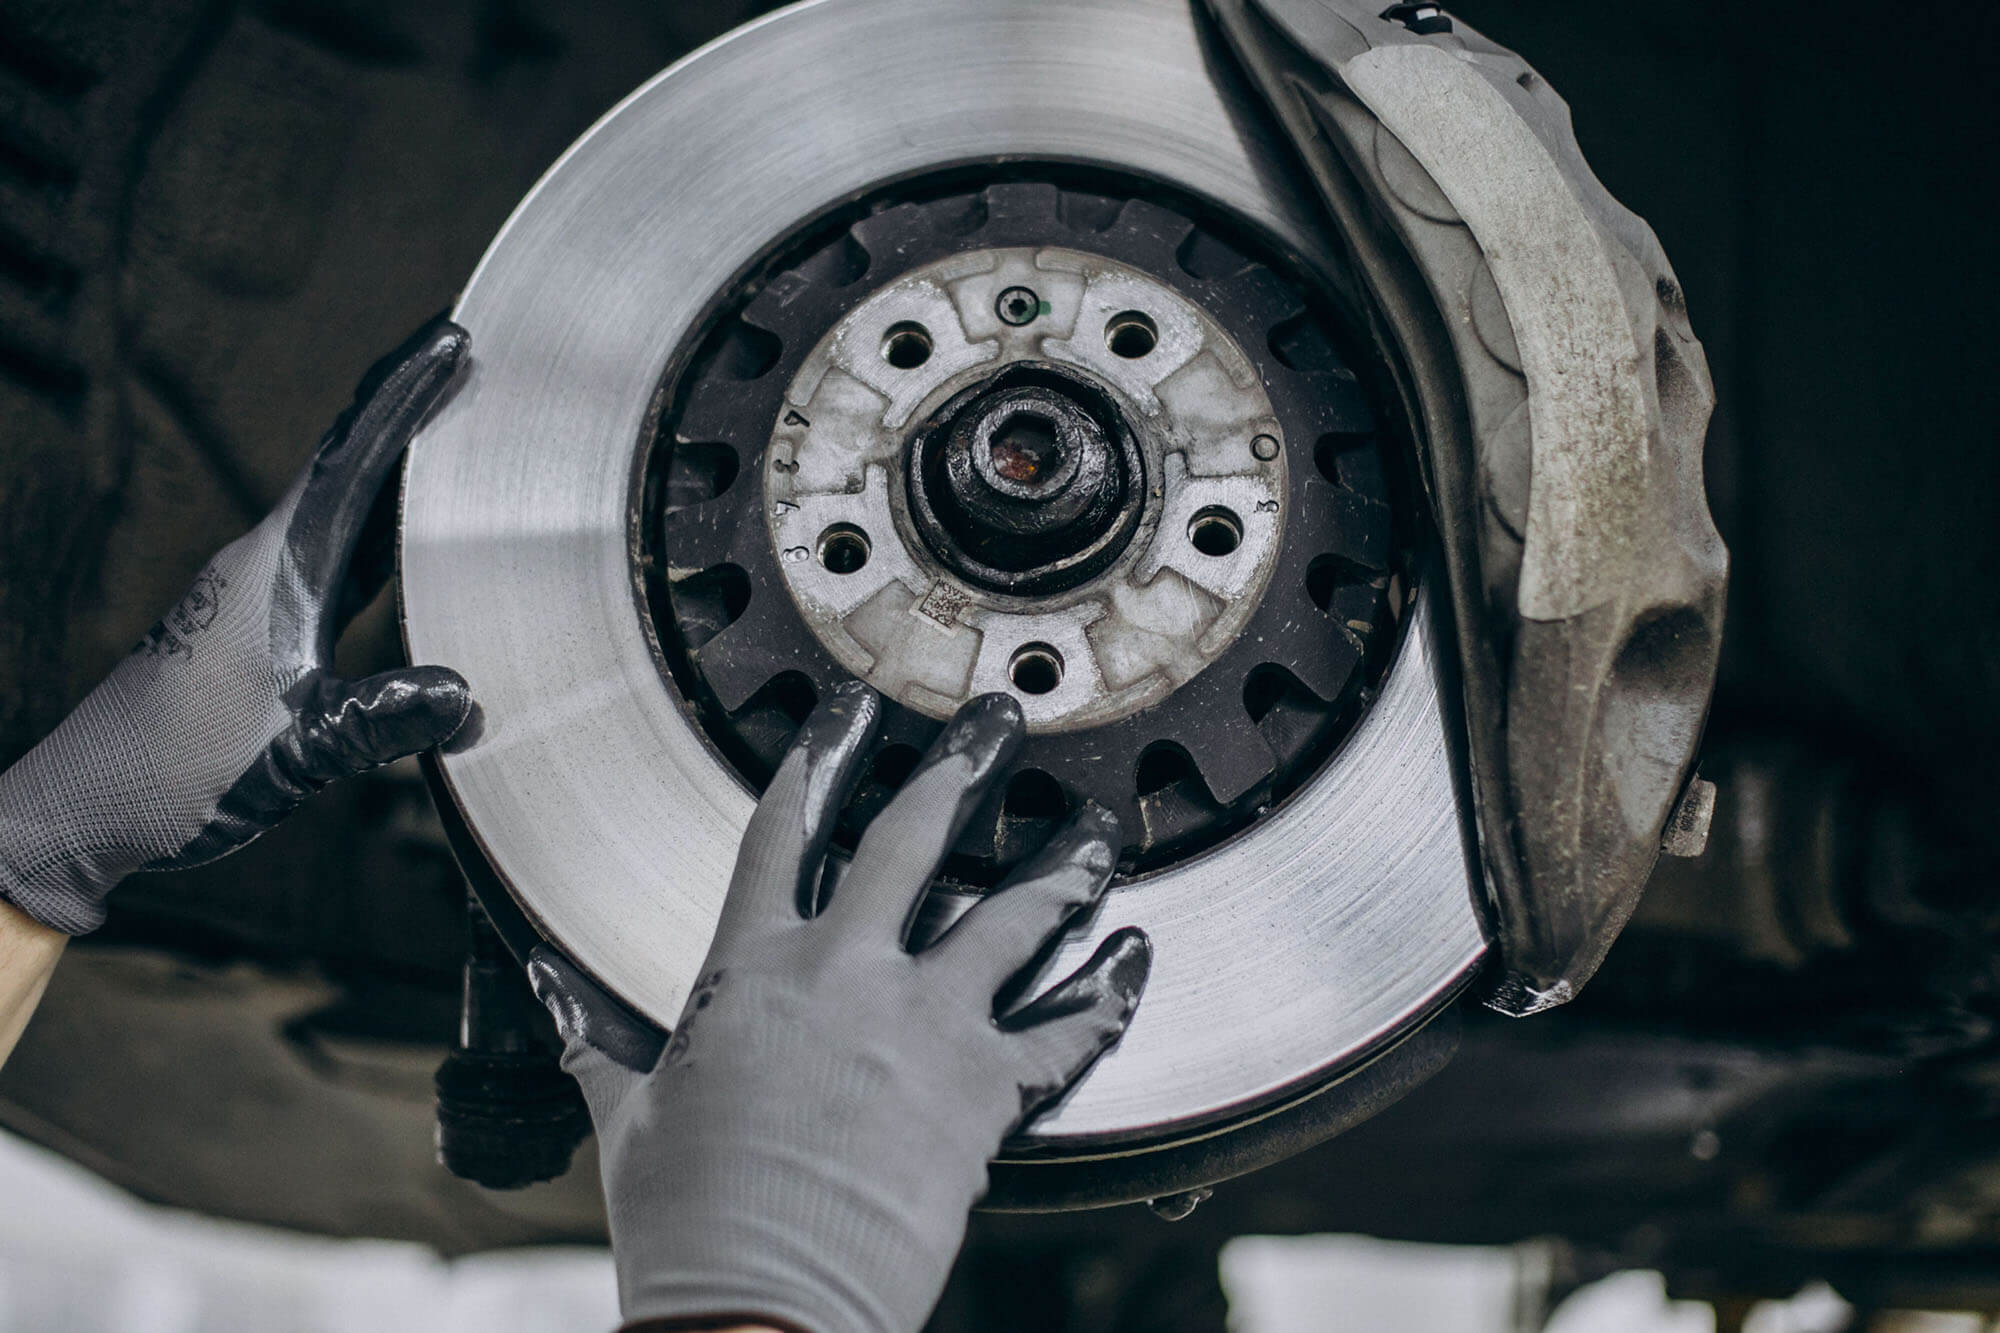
(1054, 469)
(586, 535)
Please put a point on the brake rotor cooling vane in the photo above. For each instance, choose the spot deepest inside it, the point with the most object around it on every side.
(1038, 376)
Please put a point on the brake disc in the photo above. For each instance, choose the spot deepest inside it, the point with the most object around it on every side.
(765, 371)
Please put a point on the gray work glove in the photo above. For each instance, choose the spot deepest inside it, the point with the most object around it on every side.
(804, 1151)
(227, 714)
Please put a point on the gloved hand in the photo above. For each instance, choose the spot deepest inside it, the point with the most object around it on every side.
(227, 715)
(805, 1149)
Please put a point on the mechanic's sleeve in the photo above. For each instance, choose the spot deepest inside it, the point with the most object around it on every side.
(803, 1151)
(227, 714)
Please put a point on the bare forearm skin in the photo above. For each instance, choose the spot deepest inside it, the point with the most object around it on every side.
(28, 953)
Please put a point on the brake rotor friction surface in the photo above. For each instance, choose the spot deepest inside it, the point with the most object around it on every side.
(1283, 958)
(1189, 690)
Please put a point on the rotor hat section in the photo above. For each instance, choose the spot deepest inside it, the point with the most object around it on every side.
(1097, 552)
(1287, 955)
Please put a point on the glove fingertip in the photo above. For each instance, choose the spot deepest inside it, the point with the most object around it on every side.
(412, 709)
(447, 699)
(994, 710)
(991, 727)
(449, 337)
(1097, 838)
(397, 392)
(1125, 961)
(1104, 991)
(433, 352)
(549, 977)
(983, 737)
(348, 727)
(841, 726)
(587, 1017)
(1101, 821)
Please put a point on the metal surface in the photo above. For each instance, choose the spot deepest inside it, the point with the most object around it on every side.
(1143, 628)
(1544, 343)
(1282, 958)
(1196, 765)
(1573, 340)
(1861, 582)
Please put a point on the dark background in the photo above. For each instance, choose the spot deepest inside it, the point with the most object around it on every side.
(214, 215)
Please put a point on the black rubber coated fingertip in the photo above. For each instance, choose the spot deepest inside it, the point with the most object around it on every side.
(562, 990)
(357, 456)
(851, 695)
(1112, 979)
(360, 724)
(994, 709)
(988, 730)
(845, 719)
(436, 364)
(425, 362)
(453, 338)
(442, 343)
(585, 1012)
(462, 705)
(547, 973)
(1100, 822)
(1127, 961)
(1090, 841)
(446, 701)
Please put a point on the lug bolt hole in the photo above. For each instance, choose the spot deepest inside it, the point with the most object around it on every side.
(907, 345)
(1215, 531)
(1035, 669)
(1018, 306)
(1131, 335)
(843, 548)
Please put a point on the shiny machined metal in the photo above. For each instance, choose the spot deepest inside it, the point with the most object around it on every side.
(1172, 597)
(1284, 957)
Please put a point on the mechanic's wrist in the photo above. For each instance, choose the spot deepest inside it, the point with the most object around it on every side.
(42, 874)
(691, 1296)
(703, 1325)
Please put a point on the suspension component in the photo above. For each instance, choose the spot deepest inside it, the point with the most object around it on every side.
(507, 1114)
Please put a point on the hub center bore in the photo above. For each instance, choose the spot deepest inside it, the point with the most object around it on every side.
(1031, 450)
(1030, 482)
(1026, 450)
